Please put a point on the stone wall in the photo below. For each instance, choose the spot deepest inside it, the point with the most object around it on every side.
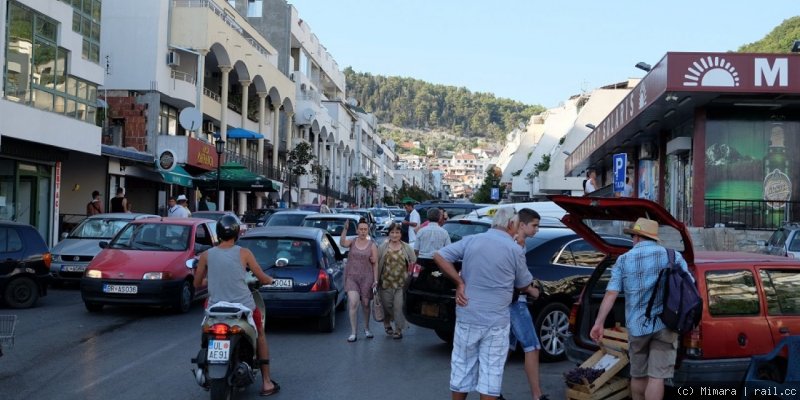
(727, 239)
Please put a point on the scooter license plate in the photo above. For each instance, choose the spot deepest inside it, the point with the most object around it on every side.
(219, 351)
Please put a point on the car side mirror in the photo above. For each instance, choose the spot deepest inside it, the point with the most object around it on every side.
(64, 235)
(103, 244)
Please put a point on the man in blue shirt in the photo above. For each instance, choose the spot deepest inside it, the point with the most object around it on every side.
(492, 266)
(652, 346)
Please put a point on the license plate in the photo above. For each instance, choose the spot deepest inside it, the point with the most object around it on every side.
(280, 284)
(73, 268)
(430, 310)
(218, 351)
(124, 289)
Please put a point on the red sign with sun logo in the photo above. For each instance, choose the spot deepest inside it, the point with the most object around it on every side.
(733, 72)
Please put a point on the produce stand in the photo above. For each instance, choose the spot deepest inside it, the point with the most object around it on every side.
(612, 358)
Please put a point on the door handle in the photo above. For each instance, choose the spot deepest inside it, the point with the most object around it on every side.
(783, 330)
(742, 339)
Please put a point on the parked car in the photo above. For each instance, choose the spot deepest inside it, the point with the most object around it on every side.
(452, 209)
(320, 208)
(217, 215)
(785, 241)
(288, 218)
(555, 256)
(366, 214)
(308, 272)
(750, 300)
(399, 215)
(383, 220)
(77, 248)
(24, 265)
(333, 224)
(145, 264)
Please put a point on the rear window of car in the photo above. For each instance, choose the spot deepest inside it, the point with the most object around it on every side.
(795, 243)
(298, 252)
(280, 219)
(332, 226)
(309, 207)
(458, 230)
(782, 290)
(380, 213)
(9, 240)
(98, 228)
(732, 293)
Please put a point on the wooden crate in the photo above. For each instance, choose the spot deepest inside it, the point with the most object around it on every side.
(614, 389)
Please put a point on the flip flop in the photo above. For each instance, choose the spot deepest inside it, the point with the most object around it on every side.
(275, 389)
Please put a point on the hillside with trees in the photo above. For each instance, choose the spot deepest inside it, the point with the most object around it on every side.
(414, 104)
(780, 40)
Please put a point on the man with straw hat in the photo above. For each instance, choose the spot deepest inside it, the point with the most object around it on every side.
(652, 346)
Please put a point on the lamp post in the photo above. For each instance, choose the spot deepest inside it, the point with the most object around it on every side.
(220, 147)
(327, 185)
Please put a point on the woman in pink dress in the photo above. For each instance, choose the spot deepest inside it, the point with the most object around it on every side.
(360, 275)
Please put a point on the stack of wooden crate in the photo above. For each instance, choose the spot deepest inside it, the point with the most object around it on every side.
(613, 357)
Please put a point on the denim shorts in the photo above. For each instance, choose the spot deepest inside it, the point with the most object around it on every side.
(522, 328)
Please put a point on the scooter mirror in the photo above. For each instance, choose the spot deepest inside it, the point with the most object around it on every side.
(282, 262)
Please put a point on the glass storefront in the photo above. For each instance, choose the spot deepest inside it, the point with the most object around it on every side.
(25, 194)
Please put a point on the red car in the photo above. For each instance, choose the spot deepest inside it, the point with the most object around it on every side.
(145, 264)
(750, 301)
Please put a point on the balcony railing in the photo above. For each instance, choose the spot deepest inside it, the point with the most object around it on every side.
(208, 93)
(183, 76)
(749, 214)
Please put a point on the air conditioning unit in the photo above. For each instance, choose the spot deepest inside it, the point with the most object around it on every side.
(209, 127)
(173, 58)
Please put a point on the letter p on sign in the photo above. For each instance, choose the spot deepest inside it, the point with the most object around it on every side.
(620, 164)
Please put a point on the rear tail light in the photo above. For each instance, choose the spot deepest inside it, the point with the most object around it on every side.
(692, 342)
(219, 331)
(415, 270)
(47, 258)
(323, 284)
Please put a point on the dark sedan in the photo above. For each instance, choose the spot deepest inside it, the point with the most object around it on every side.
(307, 268)
(24, 265)
(557, 257)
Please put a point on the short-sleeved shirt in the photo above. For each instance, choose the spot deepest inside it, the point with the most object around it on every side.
(412, 234)
(635, 274)
(493, 264)
(431, 238)
(179, 211)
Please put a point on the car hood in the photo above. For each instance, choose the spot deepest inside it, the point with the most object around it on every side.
(618, 209)
(78, 247)
(131, 264)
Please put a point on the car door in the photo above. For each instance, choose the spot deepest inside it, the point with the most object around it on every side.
(782, 298)
(11, 251)
(334, 267)
(777, 243)
(733, 324)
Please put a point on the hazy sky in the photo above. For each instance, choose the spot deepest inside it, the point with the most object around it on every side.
(537, 52)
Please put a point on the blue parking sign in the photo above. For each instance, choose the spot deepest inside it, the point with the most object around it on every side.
(495, 193)
(620, 170)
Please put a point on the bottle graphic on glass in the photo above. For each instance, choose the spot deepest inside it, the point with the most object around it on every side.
(777, 184)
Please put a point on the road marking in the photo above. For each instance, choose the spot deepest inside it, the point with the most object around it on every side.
(128, 366)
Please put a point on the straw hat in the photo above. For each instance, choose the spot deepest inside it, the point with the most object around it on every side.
(644, 227)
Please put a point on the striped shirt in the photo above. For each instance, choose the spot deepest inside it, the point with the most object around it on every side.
(635, 274)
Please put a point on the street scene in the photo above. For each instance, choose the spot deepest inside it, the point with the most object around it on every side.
(358, 200)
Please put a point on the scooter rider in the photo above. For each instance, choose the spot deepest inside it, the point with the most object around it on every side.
(224, 269)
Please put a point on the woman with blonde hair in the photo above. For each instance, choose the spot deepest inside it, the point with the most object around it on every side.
(360, 275)
(394, 256)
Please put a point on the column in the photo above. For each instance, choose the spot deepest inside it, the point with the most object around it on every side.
(262, 113)
(289, 131)
(276, 136)
(245, 93)
(223, 128)
(200, 80)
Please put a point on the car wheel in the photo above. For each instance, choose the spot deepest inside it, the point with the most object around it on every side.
(93, 307)
(21, 292)
(327, 323)
(553, 324)
(445, 334)
(185, 297)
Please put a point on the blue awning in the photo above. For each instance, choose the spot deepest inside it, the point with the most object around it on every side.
(239, 133)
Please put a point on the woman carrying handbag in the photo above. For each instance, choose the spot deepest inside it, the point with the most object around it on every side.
(394, 257)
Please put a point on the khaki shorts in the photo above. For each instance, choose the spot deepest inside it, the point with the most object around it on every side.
(653, 355)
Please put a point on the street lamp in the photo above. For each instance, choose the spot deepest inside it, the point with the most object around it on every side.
(327, 185)
(220, 147)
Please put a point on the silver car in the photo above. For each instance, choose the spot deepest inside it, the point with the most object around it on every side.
(74, 252)
(334, 224)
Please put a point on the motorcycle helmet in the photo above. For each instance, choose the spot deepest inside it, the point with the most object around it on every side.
(227, 228)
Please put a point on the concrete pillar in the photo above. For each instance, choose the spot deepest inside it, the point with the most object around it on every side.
(223, 128)
(289, 130)
(262, 114)
(276, 135)
(245, 93)
(200, 81)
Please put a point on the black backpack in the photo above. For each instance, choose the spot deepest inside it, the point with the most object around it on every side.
(683, 305)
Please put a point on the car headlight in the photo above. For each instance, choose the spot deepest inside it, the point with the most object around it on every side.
(94, 273)
(156, 275)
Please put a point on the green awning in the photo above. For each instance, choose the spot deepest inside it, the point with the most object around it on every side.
(178, 176)
(238, 177)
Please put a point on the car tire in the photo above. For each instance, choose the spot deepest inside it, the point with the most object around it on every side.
(552, 325)
(21, 292)
(185, 297)
(93, 307)
(445, 334)
(327, 323)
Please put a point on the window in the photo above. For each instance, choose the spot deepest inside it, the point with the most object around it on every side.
(9, 240)
(168, 120)
(732, 293)
(579, 253)
(782, 290)
(255, 8)
(86, 21)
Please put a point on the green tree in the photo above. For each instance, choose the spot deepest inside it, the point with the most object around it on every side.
(780, 40)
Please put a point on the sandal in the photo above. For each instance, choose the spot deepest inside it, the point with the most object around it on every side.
(352, 338)
(368, 334)
(389, 331)
(397, 335)
(275, 389)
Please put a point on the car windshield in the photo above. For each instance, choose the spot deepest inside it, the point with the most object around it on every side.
(459, 229)
(333, 226)
(285, 219)
(380, 213)
(208, 215)
(153, 237)
(298, 252)
(795, 244)
(608, 229)
(309, 207)
(97, 228)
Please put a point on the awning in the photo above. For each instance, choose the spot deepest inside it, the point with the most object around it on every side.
(239, 133)
(236, 176)
(177, 176)
(127, 154)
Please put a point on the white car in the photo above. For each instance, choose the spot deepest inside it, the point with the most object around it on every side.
(383, 219)
(333, 224)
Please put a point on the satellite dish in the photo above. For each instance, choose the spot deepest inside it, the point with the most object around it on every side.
(190, 119)
(309, 115)
(379, 150)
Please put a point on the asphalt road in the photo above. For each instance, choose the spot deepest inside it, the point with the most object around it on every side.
(63, 352)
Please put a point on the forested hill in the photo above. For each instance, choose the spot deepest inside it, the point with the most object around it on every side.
(780, 40)
(415, 104)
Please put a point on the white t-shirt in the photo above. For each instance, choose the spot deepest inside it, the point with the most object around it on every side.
(412, 234)
(179, 211)
(589, 186)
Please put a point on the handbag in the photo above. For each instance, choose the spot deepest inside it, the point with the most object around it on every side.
(377, 307)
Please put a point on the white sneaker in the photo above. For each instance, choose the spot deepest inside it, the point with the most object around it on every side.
(368, 334)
